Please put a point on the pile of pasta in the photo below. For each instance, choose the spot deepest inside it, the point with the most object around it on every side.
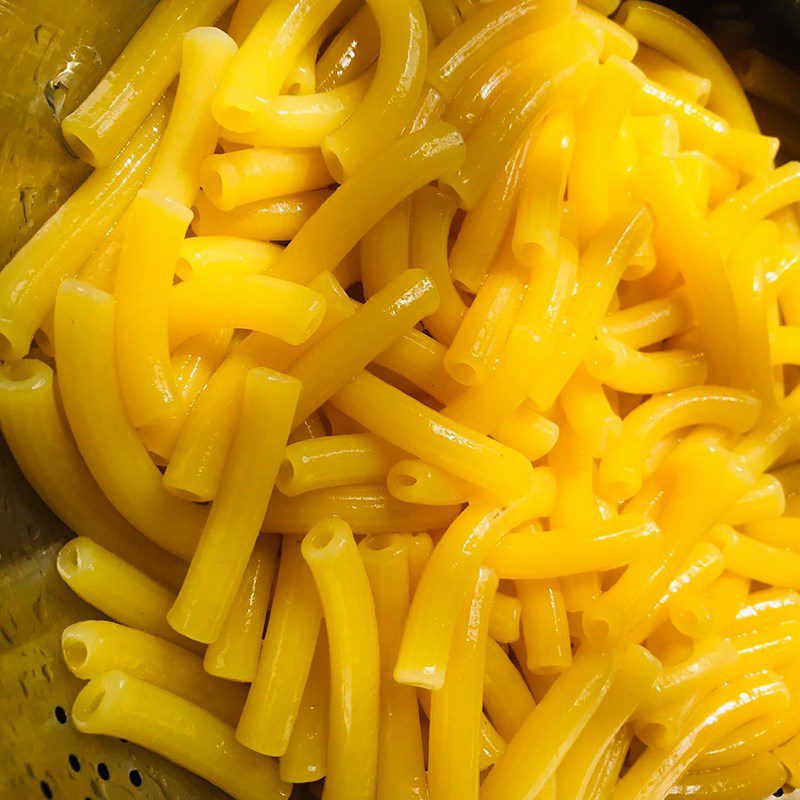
(419, 378)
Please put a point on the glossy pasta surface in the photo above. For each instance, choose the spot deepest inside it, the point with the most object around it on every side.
(419, 378)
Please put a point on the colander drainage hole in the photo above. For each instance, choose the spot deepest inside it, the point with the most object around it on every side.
(74, 762)
(102, 771)
(61, 715)
(46, 790)
(135, 777)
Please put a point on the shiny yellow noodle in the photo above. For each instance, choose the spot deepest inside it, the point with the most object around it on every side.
(545, 628)
(649, 322)
(119, 462)
(432, 215)
(57, 251)
(453, 769)
(526, 554)
(366, 508)
(109, 117)
(389, 177)
(422, 660)
(233, 655)
(351, 51)
(678, 39)
(191, 133)
(229, 535)
(349, 612)
(621, 472)
(212, 256)
(384, 252)
(39, 438)
(764, 501)
(587, 409)
(507, 698)
(94, 647)
(664, 71)
(277, 219)
(116, 704)
(414, 481)
(504, 618)
(401, 769)
(117, 589)
(616, 40)
(535, 752)
(634, 679)
(274, 699)
(750, 779)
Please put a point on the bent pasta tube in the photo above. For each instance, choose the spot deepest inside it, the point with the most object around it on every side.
(758, 776)
(213, 256)
(414, 481)
(60, 247)
(40, 440)
(100, 126)
(94, 647)
(384, 252)
(366, 196)
(119, 462)
(662, 70)
(116, 704)
(219, 562)
(332, 555)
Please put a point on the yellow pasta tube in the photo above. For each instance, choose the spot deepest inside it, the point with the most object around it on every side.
(761, 197)
(192, 132)
(764, 501)
(538, 221)
(384, 252)
(597, 127)
(635, 676)
(758, 776)
(616, 40)
(607, 772)
(228, 538)
(662, 70)
(94, 647)
(657, 770)
(589, 413)
(622, 469)
(461, 550)
(279, 308)
(602, 263)
(372, 191)
(390, 101)
(527, 554)
(656, 135)
(234, 653)
(245, 16)
(766, 78)
(303, 120)
(780, 532)
(350, 52)
(154, 228)
(401, 770)
(306, 754)
(696, 174)
(277, 219)
(117, 589)
(407, 423)
(274, 699)
(256, 174)
(265, 60)
(117, 459)
(680, 40)
(771, 647)
(414, 481)
(545, 626)
(772, 437)
(432, 215)
(765, 607)
(535, 752)
(335, 461)
(683, 240)
(650, 322)
(366, 508)
(750, 558)
(331, 553)
(505, 694)
(486, 31)
(484, 226)
(555, 71)
(471, 357)
(327, 366)
(213, 256)
(42, 444)
(116, 704)
(456, 706)
(62, 245)
(504, 618)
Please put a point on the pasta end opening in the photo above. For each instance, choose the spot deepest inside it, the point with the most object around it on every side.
(75, 651)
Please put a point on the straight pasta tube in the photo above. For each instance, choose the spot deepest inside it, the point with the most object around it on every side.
(228, 538)
(116, 704)
(332, 555)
